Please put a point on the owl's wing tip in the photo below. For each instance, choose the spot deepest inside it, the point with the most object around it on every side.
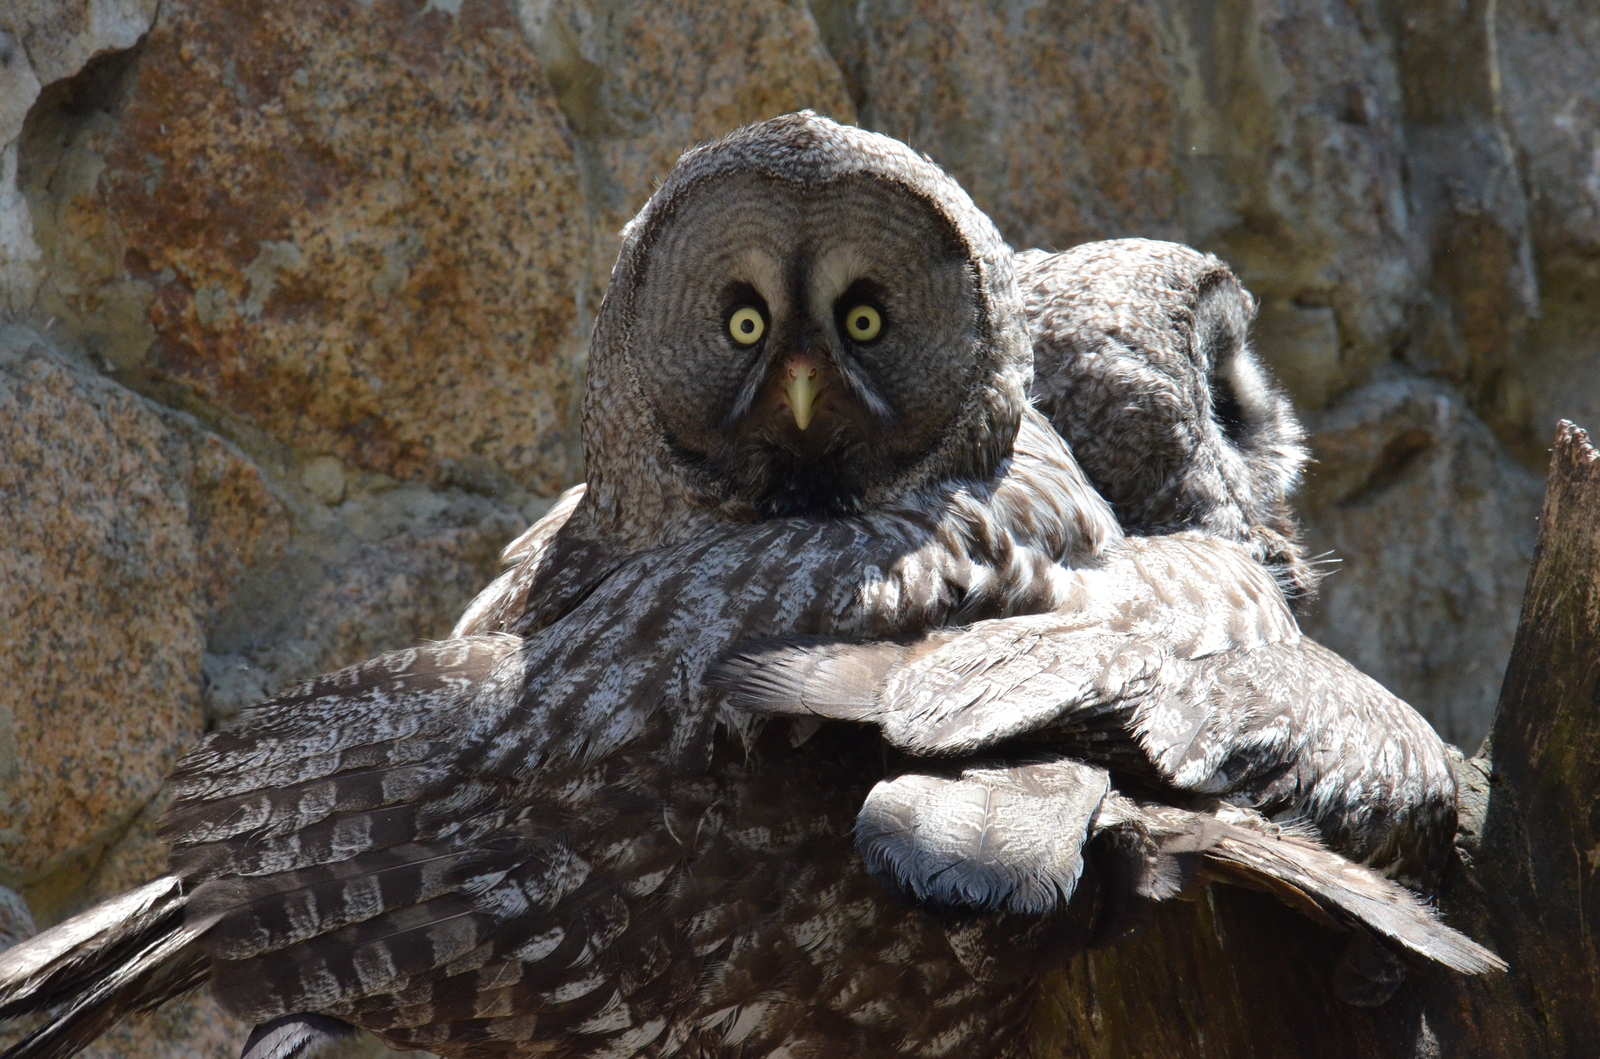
(303, 1036)
(1455, 950)
(1351, 892)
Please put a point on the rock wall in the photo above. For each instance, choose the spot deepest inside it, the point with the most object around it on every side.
(294, 301)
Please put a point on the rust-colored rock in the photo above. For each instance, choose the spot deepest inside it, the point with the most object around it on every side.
(360, 225)
(124, 527)
(41, 42)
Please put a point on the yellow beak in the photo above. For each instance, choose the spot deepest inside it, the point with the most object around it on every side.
(802, 392)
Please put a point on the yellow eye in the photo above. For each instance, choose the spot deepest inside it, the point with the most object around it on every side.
(746, 325)
(863, 323)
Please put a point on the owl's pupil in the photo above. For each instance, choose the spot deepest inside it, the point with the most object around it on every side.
(747, 326)
(862, 323)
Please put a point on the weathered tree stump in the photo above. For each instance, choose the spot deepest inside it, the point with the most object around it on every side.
(1236, 975)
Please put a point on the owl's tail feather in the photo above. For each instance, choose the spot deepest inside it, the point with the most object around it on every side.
(1241, 847)
(126, 955)
(1307, 875)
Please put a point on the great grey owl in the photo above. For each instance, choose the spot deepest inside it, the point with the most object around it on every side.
(1142, 361)
(806, 415)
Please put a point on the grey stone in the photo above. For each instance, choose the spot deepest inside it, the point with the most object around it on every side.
(1432, 524)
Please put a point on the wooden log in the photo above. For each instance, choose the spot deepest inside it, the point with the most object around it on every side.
(1236, 975)
(1535, 874)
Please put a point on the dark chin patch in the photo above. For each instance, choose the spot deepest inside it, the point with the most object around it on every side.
(824, 486)
(767, 473)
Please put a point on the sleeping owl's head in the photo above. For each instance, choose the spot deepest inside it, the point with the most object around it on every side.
(806, 319)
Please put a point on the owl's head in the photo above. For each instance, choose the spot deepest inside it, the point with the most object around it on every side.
(806, 319)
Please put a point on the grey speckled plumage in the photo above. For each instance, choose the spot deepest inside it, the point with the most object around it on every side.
(552, 837)
(1143, 362)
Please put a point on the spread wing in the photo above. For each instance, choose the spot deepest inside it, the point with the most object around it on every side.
(502, 838)
(1290, 729)
(1199, 683)
(1092, 665)
(347, 847)
(1242, 848)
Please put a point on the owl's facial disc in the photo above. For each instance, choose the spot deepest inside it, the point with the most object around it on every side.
(802, 346)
